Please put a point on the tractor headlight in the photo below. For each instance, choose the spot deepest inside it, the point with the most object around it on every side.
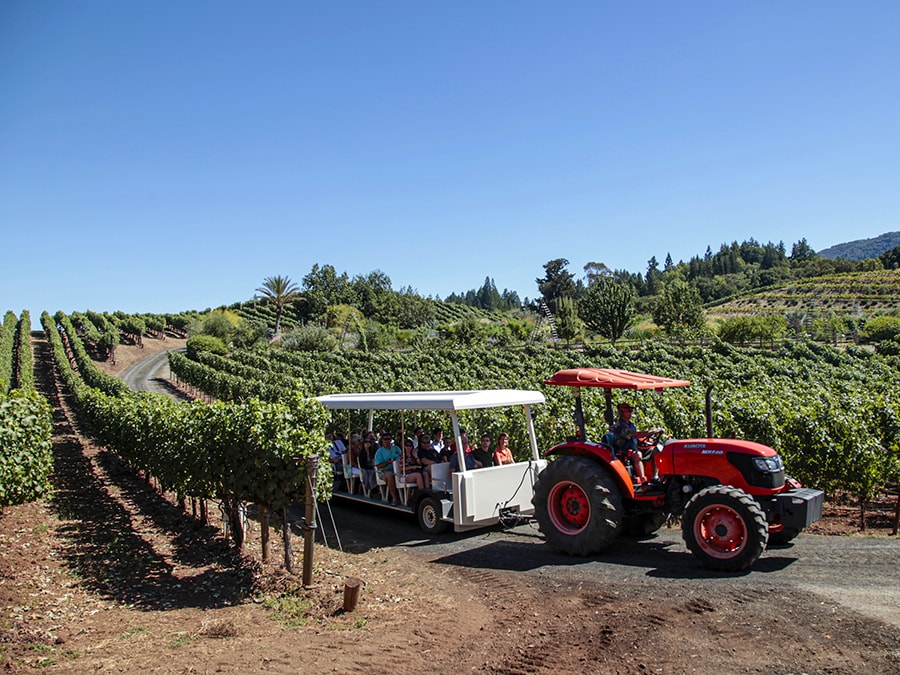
(769, 464)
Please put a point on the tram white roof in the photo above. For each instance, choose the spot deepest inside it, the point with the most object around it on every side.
(432, 400)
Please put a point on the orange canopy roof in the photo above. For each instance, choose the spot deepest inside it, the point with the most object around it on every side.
(611, 378)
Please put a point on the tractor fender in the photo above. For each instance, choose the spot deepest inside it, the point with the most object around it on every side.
(601, 453)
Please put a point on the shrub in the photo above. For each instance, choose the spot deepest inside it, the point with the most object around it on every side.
(880, 328)
(309, 338)
(218, 325)
(889, 348)
(205, 343)
(249, 333)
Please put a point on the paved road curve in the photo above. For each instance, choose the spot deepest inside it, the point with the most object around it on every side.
(149, 374)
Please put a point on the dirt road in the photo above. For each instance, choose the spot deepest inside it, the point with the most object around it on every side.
(826, 566)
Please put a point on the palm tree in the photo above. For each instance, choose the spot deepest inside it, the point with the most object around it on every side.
(279, 290)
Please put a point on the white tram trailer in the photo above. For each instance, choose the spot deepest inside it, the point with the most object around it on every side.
(468, 498)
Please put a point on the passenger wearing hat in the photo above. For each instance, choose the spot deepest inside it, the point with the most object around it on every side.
(625, 440)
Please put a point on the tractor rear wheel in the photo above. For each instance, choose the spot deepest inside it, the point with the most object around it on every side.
(578, 505)
(725, 528)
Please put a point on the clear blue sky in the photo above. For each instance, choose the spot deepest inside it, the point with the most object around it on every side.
(162, 156)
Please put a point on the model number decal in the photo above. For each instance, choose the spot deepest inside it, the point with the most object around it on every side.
(713, 452)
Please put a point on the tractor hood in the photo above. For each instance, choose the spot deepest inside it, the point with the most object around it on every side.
(743, 464)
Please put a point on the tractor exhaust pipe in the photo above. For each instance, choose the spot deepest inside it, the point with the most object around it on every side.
(709, 428)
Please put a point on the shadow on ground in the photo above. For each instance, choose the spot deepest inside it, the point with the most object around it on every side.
(122, 539)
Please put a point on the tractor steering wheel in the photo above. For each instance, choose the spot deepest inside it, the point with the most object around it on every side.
(650, 442)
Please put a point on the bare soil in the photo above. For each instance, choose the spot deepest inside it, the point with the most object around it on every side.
(111, 577)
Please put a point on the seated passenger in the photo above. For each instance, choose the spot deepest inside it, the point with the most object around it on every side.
(361, 455)
(503, 455)
(384, 464)
(414, 474)
(335, 452)
(483, 454)
(471, 462)
(437, 442)
(427, 457)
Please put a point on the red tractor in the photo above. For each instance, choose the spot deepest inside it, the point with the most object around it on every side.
(732, 496)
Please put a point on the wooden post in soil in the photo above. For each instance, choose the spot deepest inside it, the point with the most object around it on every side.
(351, 593)
(264, 531)
(894, 489)
(286, 537)
(309, 521)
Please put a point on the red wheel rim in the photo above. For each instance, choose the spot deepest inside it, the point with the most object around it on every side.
(720, 531)
(569, 507)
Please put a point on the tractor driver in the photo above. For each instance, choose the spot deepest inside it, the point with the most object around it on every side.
(625, 438)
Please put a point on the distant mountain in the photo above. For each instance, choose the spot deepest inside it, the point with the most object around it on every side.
(863, 248)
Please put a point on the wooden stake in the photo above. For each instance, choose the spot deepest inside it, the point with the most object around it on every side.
(309, 524)
(264, 531)
(351, 593)
(288, 546)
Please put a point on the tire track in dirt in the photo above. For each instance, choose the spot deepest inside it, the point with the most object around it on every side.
(535, 642)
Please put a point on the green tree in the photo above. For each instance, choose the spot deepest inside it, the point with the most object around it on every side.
(801, 251)
(653, 277)
(593, 271)
(736, 330)
(279, 291)
(323, 286)
(568, 325)
(557, 283)
(412, 310)
(488, 296)
(829, 327)
(678, 307)
(608, 307)
(890, 260)
(374, 294)
(768, 327)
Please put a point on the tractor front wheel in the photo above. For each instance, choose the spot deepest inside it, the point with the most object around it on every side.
(577, 505)
(725, 528)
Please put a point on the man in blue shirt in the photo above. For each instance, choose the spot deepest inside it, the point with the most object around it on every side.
(625, 440)
(384, 464)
